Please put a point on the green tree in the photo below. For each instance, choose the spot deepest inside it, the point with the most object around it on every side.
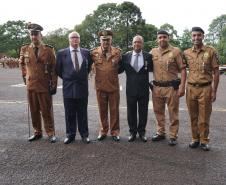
(130, 23)
(124, 19)
(221, 47)
(174, 38)
(106, 16)
(57, 38)
(215, 30)
(149, 33)
(13, 34)
(185, 40)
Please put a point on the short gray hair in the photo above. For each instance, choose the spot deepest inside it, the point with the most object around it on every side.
(138, 36)
(73, 33)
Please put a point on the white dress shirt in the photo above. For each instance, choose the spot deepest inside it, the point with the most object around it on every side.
(80, 59)
(140, 60)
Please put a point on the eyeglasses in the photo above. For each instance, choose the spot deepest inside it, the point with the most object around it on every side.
(74, 37)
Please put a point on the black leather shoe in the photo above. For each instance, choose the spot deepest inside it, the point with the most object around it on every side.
(52, 139)
(115, 138)
(34, 137)
(86, 140)
(132, 138)
(143, 138)
(68, 140)
(158, 137)
(204, 147)
(101, 137)
(194, 144)
(172, 141)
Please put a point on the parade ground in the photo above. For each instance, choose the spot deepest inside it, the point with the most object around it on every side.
(106, 162)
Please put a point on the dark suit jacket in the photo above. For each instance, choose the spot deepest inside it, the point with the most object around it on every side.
(137, 83)
(75, 84)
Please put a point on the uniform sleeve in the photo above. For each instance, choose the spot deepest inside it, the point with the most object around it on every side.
(53, 67)
(215, 60)
(22, 62)
(181, 63)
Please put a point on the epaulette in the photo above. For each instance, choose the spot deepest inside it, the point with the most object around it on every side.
(209, 46)
(93, 48)
(118, 48)
(48, 45)
(25, 44)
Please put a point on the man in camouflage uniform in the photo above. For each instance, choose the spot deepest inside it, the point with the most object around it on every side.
(106, 58)
(37, 61)
(168, 88)
(201, 89)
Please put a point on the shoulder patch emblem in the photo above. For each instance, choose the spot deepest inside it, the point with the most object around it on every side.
(205, 55)
(48, 45)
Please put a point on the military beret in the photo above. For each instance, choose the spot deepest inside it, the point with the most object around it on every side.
(34, 27)
(105, 34)
(162, 32)
(197, 29)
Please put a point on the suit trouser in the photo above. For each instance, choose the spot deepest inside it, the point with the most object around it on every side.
(41, 105)
(76, 114)
(199, 108)
(108, 100)
(166, 95)
(142, 102)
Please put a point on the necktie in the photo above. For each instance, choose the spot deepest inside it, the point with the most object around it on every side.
(76, 60)
(36, 51)
(135, 65)
(105, 53)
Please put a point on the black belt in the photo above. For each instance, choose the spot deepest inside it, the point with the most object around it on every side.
(163, 84)
(199, 84)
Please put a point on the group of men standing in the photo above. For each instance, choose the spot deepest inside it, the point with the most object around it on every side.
(40, 69)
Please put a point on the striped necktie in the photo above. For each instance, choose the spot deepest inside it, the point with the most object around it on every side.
(76, 64)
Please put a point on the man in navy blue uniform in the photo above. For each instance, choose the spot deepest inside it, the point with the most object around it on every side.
(73, 66)
(137, 65)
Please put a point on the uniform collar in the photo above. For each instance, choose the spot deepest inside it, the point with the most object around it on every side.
(169, 48)
(38, 46)
(203, 48)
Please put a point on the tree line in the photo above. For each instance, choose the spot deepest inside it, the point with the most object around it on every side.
(124, 19)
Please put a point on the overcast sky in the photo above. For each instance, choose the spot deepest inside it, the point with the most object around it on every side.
(66, 14)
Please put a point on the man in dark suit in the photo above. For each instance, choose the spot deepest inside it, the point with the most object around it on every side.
(137, 65)
(73, 65)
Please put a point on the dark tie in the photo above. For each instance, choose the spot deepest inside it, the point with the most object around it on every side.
(76, 60)
(36, 51)
(105, 53)
(135, 65)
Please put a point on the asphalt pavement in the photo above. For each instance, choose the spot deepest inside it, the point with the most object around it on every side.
(106, 162)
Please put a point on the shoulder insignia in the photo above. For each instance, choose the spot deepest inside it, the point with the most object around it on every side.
(48, 45)
(25, 44)
(93, 49)
(209, 46)
(118, 48)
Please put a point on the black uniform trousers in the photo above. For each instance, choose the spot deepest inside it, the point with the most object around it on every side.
(76, 115)
(137, 125)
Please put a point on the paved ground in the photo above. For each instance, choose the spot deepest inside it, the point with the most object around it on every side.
(107, 162)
